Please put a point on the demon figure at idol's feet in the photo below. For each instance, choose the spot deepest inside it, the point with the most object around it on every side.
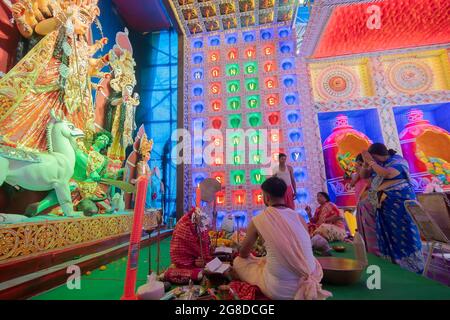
(93, 175)
(43, 171)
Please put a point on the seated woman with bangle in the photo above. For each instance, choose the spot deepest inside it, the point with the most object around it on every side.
(189, 248)
(326, 225)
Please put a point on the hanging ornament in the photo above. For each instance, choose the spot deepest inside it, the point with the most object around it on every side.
(64, 71)
(67, 48)
(69, 27)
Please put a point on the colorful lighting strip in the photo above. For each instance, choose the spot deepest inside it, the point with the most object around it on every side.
(250, 83)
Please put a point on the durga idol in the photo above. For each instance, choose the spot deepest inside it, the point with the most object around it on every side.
(54, 75)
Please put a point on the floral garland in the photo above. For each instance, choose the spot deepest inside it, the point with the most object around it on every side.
(111, 110)
(122, 118)
(62, 52)
(437, 167)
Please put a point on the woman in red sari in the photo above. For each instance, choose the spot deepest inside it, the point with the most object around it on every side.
(326, 225)
(189, 248)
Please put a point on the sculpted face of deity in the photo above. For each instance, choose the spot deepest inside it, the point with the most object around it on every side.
(146, 158)
(127, 91)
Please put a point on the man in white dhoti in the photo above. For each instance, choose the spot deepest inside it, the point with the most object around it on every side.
(289, 270)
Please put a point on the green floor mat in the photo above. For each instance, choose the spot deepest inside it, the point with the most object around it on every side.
(396, 283)
(109, 284)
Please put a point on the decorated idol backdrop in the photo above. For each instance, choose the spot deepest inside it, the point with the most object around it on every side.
(243, 81)
(425, 142)
(344, 135)
(49, 126)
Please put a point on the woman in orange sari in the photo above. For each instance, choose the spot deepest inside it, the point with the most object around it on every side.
(326, 225)
(365, 211)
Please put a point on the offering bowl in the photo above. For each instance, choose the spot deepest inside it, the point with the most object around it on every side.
(339, 248)
(340, 271)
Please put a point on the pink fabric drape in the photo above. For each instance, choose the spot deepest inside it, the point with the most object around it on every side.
(289, 198)
(274, 228)
(9, 39)
(360, 187)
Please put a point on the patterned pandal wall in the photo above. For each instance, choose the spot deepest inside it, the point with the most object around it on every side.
(410, 77)
(314, 160)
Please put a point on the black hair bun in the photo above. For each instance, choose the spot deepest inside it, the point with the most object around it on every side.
(392, 152)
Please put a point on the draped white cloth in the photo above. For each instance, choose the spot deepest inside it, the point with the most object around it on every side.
(289, 270)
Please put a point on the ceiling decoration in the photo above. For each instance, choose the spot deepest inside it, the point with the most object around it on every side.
(301, 19)
(342, 27)
(203, 16)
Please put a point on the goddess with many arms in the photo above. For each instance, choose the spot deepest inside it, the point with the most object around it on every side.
(54, 75)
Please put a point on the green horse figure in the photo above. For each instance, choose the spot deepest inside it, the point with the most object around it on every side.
(45, 171)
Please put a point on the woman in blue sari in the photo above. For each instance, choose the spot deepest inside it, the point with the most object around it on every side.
(397, 235)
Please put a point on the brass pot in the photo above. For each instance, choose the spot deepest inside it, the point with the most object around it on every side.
(340, 271)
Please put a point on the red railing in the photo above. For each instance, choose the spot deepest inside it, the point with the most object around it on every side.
(135, 239)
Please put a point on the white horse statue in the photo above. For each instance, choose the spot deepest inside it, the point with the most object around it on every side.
(45, 171)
